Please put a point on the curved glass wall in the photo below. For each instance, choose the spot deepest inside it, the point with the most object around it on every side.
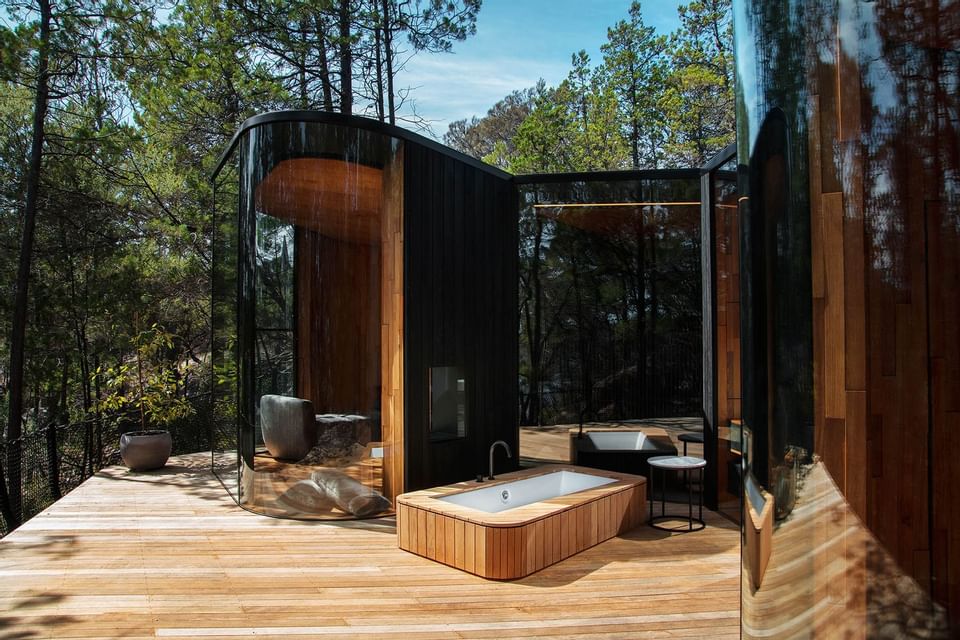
(310, 261)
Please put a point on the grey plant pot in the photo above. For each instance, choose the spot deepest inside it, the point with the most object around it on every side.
(145, 450)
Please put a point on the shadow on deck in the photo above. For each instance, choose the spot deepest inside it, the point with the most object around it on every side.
(167, 553)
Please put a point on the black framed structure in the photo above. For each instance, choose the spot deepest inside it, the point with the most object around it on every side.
(353, 263)
(409, 306)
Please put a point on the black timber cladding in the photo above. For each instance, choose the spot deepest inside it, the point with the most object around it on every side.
(460, 309)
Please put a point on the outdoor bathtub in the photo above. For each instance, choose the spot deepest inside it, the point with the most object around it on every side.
(521, 522)
(620, 450)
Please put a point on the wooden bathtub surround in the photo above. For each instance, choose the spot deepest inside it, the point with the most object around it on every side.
(515, 543)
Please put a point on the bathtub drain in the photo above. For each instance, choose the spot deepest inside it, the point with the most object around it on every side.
(504, 496)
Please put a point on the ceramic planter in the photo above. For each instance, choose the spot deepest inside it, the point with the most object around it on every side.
(145, 450)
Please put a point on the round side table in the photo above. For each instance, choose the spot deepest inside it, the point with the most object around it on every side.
(677, 463)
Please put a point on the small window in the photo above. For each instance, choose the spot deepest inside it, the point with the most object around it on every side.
(448, 403)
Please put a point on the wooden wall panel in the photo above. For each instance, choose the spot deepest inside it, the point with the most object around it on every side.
(391, 328)
(943, 240)
(726, 363)
(834, 354)
(727, 265)
(885, 270)
(338, 321)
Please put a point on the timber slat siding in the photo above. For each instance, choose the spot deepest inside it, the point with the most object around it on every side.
(528, 538)
(460, 295)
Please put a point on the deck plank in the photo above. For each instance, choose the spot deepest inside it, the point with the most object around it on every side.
(167, 554)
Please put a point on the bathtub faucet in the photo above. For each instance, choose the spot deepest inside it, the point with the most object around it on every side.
(492, 447)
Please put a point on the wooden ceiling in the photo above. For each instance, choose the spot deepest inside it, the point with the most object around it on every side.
(334, 198)
(604, 218)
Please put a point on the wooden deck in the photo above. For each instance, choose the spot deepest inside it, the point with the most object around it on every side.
(168, 554)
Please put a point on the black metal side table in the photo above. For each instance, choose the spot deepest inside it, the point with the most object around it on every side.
(677, 463)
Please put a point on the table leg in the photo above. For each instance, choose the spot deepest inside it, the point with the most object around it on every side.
(700, 505)
(686, 476)
(663, 492)
(651, 494)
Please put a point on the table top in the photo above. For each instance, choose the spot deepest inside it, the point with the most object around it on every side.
(677, 462)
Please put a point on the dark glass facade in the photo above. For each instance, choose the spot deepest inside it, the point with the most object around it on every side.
(610, 316)
(848, 115)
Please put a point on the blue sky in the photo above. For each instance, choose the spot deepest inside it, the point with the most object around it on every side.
(517, 42)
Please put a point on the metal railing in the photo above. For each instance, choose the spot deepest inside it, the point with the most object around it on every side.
(55, 459)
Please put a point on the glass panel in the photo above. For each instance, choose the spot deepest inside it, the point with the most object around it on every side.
(448, 403)
(275, 363)
(223, 352)
(610, 326)
(319, 230)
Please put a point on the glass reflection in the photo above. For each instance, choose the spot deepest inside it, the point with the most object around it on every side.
(319, 211)
(862, 543)
(610, 327)
(448, 403)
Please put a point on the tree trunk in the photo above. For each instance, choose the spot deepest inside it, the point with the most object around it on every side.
(98, 423)
(346, 60)
(60, 417)
(18, 326)
(6, 509)
(655, 378)
(83, 350)
(53, 462)
(378, 37)
(536, 343)
(583, 349)
(641, 330)
(302, 62)
(324, 66)
(634, 120)
(141, 387)
(388, 59)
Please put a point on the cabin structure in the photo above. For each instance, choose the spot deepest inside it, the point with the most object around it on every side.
(372, 273)
(368, 280)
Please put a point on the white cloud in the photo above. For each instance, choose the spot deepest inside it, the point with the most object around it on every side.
(450, 87)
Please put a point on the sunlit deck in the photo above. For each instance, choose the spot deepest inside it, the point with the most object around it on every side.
(168, 554)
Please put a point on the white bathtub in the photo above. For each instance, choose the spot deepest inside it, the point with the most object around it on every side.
(621, 441)
(518, 493)
(549, 513)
